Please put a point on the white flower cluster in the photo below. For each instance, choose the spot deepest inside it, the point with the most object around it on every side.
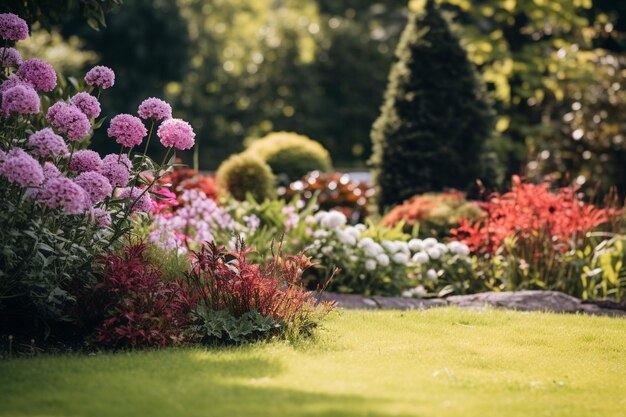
(355, 252)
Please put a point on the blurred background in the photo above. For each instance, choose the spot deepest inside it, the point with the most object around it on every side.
(238, 69)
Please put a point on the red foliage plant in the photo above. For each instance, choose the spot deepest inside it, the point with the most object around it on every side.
(181, 179)
(229, 281)
(138, 308)
(532, 213)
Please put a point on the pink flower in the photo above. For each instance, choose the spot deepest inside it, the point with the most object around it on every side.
(96, 185)
(141, 200)
(20, 99)
(11, 82)
(13, 27)
(87, 103)
(50, 171)
(21, 168)
(10, 57)
(85, 160)
(63, 193)
(127, 130)
(154, 108)
(47, 143)
(177, 133)
(117, 172)
(68, 119)
(101, 217)
(101, 77)
(39, 73)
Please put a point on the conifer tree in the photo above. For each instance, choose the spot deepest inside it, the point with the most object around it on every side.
(435, 118)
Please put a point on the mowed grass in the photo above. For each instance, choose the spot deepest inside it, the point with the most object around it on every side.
(441, 362)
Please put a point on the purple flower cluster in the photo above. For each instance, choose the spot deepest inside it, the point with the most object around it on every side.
(21, 168)
(101, 218)
(116, 169)
(47, 143)
(63, 193)
(154, 108)
(139, 198)
(96, 185)
(38, 73)
(87, 103)
(101, 77)
(68, 119)
(13, 27)
(10, 57)
(85, 160)
(50, 171)
(20, 99)
(11, 82)
(177, 133)
(127, 130)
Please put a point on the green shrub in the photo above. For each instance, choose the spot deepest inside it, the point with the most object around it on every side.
(435, 119)
(246, 173)
(291, 156)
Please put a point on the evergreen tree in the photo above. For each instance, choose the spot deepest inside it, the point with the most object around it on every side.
(435, 118)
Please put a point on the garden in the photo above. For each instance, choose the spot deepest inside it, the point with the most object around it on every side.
(238, 207)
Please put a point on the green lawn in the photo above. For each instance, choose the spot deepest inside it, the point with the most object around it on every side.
(441, 362)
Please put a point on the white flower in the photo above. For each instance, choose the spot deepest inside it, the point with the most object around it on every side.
(401, 258)
(327, 250)
(431, 274)
(420, 258)
(360, 227)
(353, 231)
(442, 248)
(459, 248)
(416, 245)
(320, 216)
(429, 242)
(354, 258)
(370, 264)
(345, 238)
(433, 253)
(365, 242)
(334, 219)
(383, 259)
(390, 246)
(320, 233)
(403, 247)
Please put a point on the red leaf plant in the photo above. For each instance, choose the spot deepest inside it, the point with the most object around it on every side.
(230, 281)
(139, 309)
(533, 214)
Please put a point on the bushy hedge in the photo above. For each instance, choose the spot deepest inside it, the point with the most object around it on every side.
(291, 156)
(246, 173)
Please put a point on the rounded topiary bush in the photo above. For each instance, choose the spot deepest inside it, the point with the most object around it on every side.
(291, 155)
(246, 173)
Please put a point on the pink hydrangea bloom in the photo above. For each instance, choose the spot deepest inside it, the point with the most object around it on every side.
(21, 168)
(96, 185)
(177, 133)
(63, 193)
(39, 73)
(10, 57)
(85, 160)
(68, 119)
(50, 171)
(141, 200)
(154, 108)
(47, 143)
(20, 99)
(101, 77)
(101, 217)
(116, 169)
(13, 27)
(127, 130)
(87, 103)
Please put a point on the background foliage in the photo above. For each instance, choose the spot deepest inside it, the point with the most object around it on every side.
(239, 69)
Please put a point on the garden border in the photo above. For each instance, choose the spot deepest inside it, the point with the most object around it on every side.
(550, 301)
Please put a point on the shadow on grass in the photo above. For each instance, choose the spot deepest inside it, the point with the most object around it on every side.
(174, 383)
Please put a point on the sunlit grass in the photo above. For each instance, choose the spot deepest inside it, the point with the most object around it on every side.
(441, 362)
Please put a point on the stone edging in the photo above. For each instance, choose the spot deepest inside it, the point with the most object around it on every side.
(552, 301)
